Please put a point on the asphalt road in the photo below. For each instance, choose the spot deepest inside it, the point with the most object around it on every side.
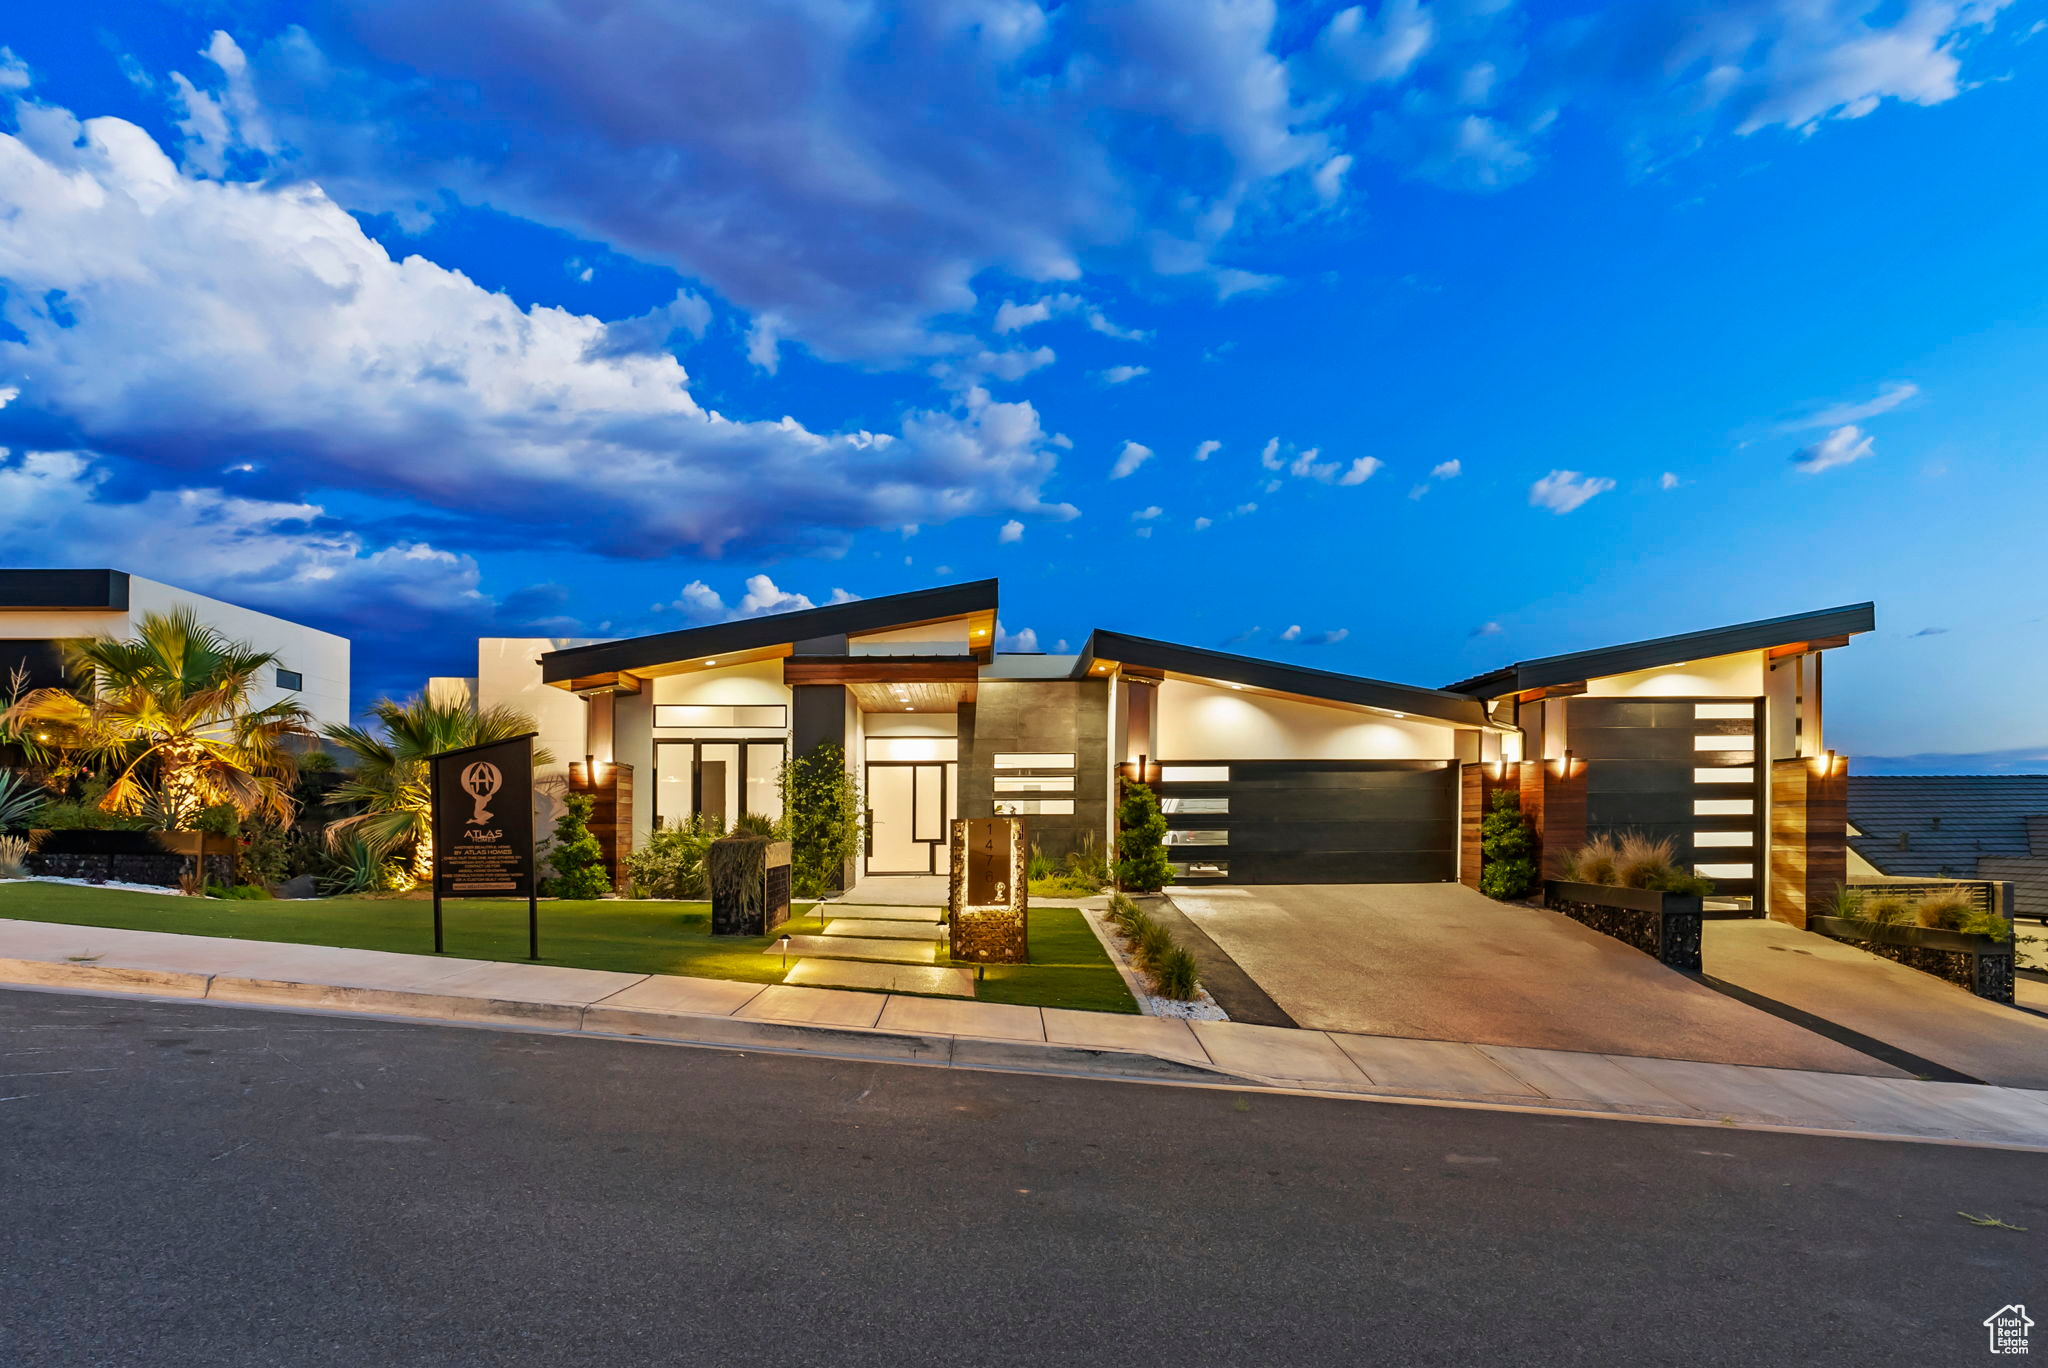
(186, 1184)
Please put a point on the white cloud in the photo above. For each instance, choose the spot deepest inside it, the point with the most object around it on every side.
(1377, 47)
(1446, 470)
(1147, 514)
(1486, 629)
(1128, 458)
(1328, 179)
(1305, 463)
(1202, 452)
(692, 132)
(1269, 456)
(1117, 375)
(1244, 509)
(1329, 638)
(1292, 633)
(1838, 448)
(1561, 491)
(1145, 531)
(1837, 415)
(1011, 531)
(208, 321)
(284, 556)
(1203, 524)
(1021, 641)
(1668, 480)
(762, 598)
(1012, 316)
(1361, 470)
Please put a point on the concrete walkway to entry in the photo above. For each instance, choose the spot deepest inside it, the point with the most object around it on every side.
(1441, 962)
(1872, 996)
(954, 1034)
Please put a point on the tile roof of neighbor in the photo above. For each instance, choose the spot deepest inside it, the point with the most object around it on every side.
(1947, 821)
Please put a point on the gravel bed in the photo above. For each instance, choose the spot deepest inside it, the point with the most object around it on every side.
(1201, 1008)
(88, 883)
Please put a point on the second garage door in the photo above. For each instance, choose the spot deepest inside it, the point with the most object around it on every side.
(1311, 821)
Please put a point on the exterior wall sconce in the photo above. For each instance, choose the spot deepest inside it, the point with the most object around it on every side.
(1568, 764)
(1828, 764)
(593, 773)
(1139, 770)
(1500, 770)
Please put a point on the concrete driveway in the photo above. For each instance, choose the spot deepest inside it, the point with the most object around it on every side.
(1441, 962)
(1902, 1007)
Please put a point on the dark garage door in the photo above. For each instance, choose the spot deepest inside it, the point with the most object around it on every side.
(1311, 821)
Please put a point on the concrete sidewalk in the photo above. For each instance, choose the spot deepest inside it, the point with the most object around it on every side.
(959, 1034)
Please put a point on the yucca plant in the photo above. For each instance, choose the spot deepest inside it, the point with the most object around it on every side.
(389, 776)
(169, 713)
(20, 797)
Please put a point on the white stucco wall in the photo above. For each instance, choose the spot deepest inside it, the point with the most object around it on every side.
(758, 681)
(1203, 722)
(322, 658)
(508, 675)
(1731, 676)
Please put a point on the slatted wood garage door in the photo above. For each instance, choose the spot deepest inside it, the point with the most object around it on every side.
(1311, 821)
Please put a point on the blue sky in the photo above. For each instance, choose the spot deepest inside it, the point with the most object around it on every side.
(1405, 339)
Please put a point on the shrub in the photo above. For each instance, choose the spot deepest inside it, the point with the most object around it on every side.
(1152, 941)
(14, 851)
(20, 798)
(1039, 867)
(1986, 924)
(1122, 908)
(1592, 862)
(1944, 911)
(266, 855)
(822, 812)
(1174, 975)
(757, 824)
(671, 864)
(1680, 881)
(84, 813)
(1638, 859)
(1507, 850)
(238, 893)
(1885, 910)
(575, 855)
(1085, 863)
(1140, 834)
(349, 865)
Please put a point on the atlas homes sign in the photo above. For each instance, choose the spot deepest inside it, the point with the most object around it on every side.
(483, 827)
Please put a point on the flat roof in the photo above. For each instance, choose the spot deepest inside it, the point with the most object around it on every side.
(1578, 666)
(1321, 685)
(75, 590)
(777, 629)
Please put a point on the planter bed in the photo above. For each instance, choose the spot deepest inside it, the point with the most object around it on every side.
(1664, 926)
(1976, 964)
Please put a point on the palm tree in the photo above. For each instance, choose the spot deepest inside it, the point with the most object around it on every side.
(171, 711)
(390, 776)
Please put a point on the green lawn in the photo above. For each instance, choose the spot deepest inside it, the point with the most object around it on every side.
(1069, 968)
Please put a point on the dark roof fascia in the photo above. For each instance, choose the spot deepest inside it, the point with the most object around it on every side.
(1577, 666)
(1327, 685)
(75, 590)
(778, 629)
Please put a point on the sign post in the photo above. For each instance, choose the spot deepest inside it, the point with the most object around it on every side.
(483, 828)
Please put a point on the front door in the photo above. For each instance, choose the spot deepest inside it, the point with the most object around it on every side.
(906, 818)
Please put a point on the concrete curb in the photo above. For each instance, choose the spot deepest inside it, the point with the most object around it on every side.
(940, 1033)
(106, 978)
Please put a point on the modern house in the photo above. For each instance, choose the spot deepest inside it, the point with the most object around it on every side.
(1268, 772)
(41, 608)
(1954, 826)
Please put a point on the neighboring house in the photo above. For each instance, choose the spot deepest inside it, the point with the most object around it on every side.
(41, 608)
(1269, 773)
(1956, 826)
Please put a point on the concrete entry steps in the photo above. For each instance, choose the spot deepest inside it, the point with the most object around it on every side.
(882, 929)
(926, 916)
(859, 948)
(882, 978)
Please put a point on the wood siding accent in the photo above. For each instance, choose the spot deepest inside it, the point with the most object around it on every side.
(611, 816)
(1557, 805)
(879, 670)
(1809, 839)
